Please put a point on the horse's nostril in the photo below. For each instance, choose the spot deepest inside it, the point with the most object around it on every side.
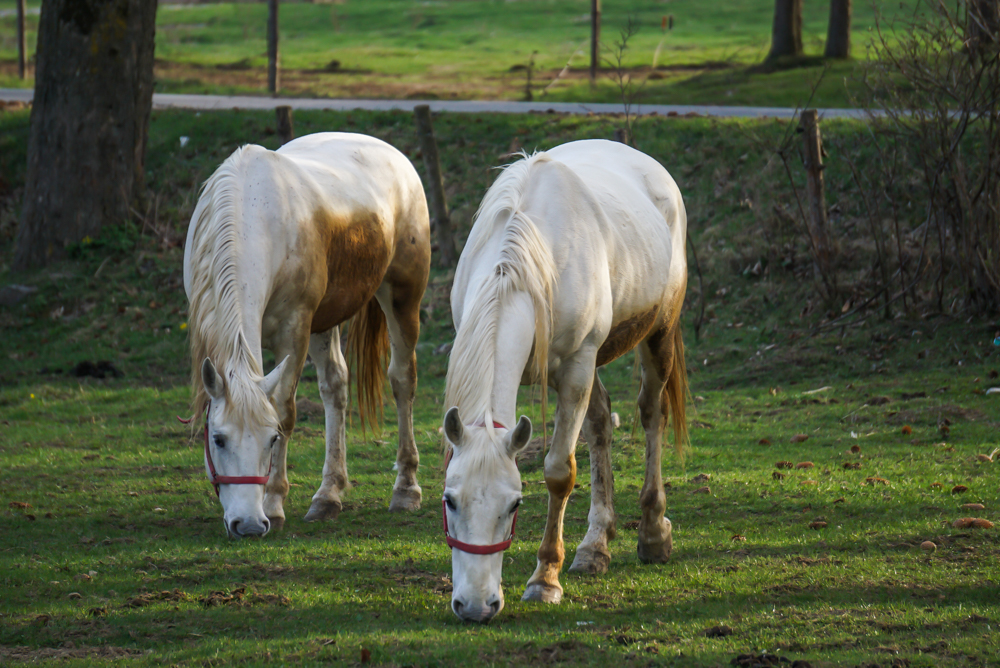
(267, 525)
(494, 607)
(457, 606)
(234, 528)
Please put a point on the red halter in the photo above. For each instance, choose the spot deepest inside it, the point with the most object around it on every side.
(217, 479)
(468, 547)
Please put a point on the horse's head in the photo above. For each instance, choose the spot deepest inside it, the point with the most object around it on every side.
(481, 494)
(241, 432)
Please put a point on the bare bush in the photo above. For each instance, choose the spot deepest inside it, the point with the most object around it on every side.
(936, 76)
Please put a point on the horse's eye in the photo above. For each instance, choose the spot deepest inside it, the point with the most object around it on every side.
(219, 440)
(274, 441)
(516, 505)
(451, 504)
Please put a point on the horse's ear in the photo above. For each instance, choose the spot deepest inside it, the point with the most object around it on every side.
(453, 427)
(520, 436)
(211, 379)
(271, 380)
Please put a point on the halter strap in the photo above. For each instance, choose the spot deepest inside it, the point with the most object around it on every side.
(217, 479)
(469, 547)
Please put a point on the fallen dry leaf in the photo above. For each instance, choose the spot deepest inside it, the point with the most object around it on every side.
(784, 465)
(366, 655)
(984, 458)
(808, 482)
(973, 506)
(799, 438)
(738, 537)
(840, 500)
(972, 522)
(928, 546)
(907, 430)
(19, 504)
(852, 465)
(875, 480)
(959, 489)
(855, 449)
(701, 477)
(778, 475)
(763, 441)
(702, 490)
(817, 525)
(937, 485)
(804, 465)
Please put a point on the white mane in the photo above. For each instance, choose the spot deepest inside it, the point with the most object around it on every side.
(216, 319)
(524, 264)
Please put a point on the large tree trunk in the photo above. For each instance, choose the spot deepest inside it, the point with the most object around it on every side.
(838, 34)
(89, 122)
(786, 33)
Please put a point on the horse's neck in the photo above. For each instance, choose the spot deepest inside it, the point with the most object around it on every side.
(514, 338)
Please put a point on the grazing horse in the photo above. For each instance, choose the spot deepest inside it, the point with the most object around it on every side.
(577, 256)
(283, 247)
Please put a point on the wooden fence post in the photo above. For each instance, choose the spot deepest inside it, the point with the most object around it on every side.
(273, 78)
(595, 38)
(817, 222)
(435, 184)
(284, 121)
(22, 41)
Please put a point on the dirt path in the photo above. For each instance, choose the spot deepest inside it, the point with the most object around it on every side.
(212, 102)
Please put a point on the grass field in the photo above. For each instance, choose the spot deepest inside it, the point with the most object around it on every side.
(479, 50)
(111, 545)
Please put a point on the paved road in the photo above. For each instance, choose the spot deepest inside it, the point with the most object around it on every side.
(212, 102)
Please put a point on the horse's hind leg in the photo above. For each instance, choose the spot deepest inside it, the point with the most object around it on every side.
(657, 356)
(331, 369)
(401, 304)
(592, 555)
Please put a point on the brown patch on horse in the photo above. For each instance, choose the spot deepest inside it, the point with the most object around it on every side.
(626, 335)
(357, 256)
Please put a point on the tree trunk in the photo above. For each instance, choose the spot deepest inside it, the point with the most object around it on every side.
(22, 41)
(273, 78)
(89, 123)
(595, 38)
(786, 33)
(838, 34)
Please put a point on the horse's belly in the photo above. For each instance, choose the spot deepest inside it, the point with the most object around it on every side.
(626, 335)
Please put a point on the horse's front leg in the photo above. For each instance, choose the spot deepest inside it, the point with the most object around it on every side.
(401, 304)
(573, 386)
(332, 373)
(292, 343)
(593, 555)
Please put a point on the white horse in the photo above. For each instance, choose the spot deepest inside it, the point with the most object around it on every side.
(283, 247)
(576, 256)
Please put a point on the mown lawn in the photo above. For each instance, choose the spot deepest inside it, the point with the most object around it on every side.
(111, 544)
(480, 50)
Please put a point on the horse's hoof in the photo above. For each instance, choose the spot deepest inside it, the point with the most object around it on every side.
(321, 509)
(542, 593)
(657, 551)
(405, 499)
(277, 523)
(590, 562)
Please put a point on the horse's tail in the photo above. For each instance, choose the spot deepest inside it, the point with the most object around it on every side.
(674, 397)
(368, 351)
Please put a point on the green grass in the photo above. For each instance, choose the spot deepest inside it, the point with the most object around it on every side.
(116, 486)
(472, 49)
